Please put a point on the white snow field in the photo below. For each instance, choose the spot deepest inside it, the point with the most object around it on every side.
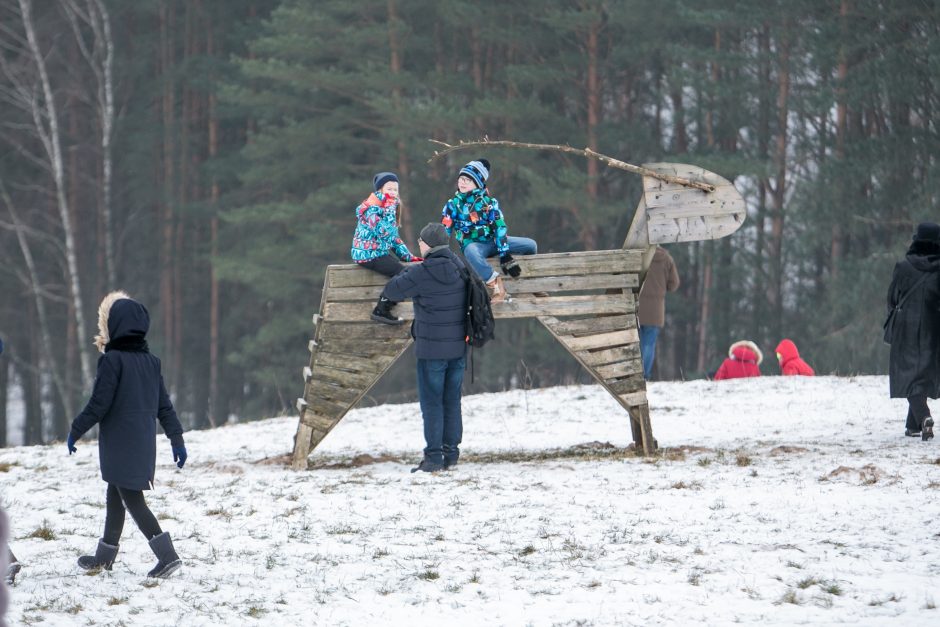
(772, 501)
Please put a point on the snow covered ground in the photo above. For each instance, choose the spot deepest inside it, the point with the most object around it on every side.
(773, 501)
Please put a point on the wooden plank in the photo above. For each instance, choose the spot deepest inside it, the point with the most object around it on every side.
(526, 307)
(620, 261)
(363, 330)
(593, 324)
(693, 229)
(301, 446)
(627, 385)
(318, 422)
(360, 380)
(324, 406)
(363, 347)
(360, 312)
(634, 398)
(553, 284)
(620, 369)
(603, 340)
(610, 355)
(369, 292)
(345, 394)
(353, 275)
(323, 359)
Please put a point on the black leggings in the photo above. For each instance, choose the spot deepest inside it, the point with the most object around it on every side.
(386, 264)
(120, 498)
(917, 412)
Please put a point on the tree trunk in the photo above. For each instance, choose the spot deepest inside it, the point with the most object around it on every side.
(167, 44)
(778, 191)
(51, 140)
(216, 413)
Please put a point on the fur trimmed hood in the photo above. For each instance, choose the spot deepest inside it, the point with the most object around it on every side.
(748, 345)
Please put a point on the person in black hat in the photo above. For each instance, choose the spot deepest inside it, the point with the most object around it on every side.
(914, 297)
(437, 289)
(376, 244)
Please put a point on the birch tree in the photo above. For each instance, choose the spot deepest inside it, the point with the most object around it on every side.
(29, 88)
(91, 16)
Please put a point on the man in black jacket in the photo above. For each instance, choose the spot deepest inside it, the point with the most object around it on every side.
(438, 291)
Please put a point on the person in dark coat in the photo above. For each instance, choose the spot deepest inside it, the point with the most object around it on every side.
(743, 361)
(128, 399)
(438, 289)
(661, 277)
(914, 367)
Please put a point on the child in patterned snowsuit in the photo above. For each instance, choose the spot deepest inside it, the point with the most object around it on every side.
(376, 244)
(474, 218)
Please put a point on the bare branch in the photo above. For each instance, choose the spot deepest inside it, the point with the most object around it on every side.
(586, 152)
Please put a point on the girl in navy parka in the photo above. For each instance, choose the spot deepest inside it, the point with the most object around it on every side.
(128, 399)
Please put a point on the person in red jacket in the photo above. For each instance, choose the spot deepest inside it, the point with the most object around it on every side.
(743, 361)
(790, 362)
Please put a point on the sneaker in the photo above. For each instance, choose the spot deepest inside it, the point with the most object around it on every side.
(911, 434)
(428, 466)
(927, 433)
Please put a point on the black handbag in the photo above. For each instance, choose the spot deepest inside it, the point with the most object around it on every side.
(888, 326)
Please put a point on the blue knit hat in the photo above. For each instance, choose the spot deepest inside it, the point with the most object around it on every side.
(478, 171)
(382, 178)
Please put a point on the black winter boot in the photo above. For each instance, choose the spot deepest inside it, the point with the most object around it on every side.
(927, 432)
(383, 312)
(168, 562)
(103, 558)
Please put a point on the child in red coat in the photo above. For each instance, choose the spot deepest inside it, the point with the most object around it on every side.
(743, 361)
(790, 362)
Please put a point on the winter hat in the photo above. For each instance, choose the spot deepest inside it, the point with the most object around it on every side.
(927, 232)
(434, 235)
(478, 170)
(382, 178)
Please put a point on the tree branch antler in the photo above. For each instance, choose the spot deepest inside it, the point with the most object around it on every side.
(586, 152)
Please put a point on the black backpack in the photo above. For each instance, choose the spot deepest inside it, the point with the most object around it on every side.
(480, 322)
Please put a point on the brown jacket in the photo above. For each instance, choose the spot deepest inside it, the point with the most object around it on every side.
(662, 277)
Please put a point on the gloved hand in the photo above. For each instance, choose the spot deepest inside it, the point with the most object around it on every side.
(70, 442)
(413, 258)
(179, 455)
(509, 266)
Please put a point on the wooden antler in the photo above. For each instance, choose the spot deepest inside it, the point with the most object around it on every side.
(585, 152)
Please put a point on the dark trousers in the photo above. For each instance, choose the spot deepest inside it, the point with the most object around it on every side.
(386, 264)
(917, 412)
(439, 392)
(133, 500)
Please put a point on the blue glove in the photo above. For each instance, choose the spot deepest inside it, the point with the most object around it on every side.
(70, 442)
(179, 455)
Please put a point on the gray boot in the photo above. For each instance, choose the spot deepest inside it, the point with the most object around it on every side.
(168, 562)
(103, 557)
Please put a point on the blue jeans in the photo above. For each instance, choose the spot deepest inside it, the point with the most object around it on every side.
(439, 383)
(648, 335)
(477, 252)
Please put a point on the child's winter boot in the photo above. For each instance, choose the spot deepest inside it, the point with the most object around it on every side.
(383, 312)
(168, 562)
(497, 289)
(103, 558)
